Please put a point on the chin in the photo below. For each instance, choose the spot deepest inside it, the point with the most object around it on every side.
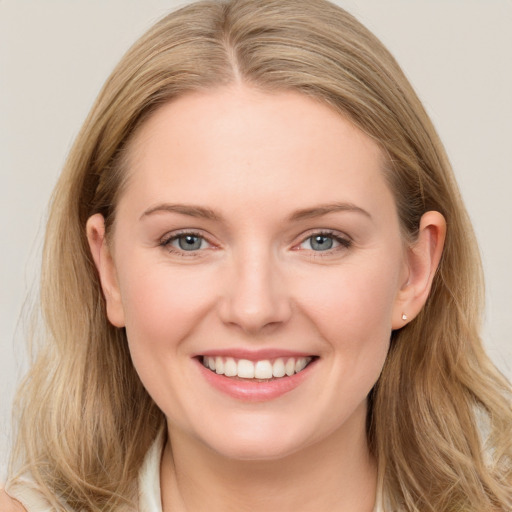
(264, 442)
(256, 451)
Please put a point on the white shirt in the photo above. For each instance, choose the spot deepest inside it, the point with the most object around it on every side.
(149, 480)
(25, 491)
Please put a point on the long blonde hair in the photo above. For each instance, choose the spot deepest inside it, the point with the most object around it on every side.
(85, 419)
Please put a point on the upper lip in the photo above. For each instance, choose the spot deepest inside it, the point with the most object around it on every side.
(254, 355)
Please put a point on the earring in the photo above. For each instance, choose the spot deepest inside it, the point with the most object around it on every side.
(404, 316)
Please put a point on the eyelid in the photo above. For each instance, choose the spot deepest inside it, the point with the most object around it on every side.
(171, 235)
(343, 239)
(165, 242)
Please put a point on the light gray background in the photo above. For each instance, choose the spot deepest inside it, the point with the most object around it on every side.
(55, 55)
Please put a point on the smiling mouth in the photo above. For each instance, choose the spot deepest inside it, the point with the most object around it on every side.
(262, 370)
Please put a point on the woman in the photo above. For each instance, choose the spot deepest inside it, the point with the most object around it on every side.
(271, 289)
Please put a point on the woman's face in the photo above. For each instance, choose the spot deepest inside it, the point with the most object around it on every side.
(256, 234)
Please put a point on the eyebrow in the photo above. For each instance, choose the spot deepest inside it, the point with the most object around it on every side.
(324, 209)
(207, 213)
(183, 209)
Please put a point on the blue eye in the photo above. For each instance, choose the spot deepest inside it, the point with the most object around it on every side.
(186, 242)
(189, 242)
(321, 242)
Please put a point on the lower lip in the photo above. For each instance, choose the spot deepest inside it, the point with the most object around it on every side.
(252, 390)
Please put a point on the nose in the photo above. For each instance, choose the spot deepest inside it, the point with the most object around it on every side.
(255, 296)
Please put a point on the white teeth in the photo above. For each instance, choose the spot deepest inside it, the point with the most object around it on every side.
(300, 364)
(278, 369)
(290, 367)
(219, 365)
(245, 369)
(264, 369)
(230, 367)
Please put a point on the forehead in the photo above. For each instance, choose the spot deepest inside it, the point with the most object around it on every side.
(239, 143)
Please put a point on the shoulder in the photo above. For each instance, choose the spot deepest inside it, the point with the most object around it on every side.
(8, 504)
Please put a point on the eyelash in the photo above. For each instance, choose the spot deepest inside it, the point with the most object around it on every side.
(167, 240)
(344, 243)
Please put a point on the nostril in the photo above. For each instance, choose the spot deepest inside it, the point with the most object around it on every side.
(254, 296)
(255, 319)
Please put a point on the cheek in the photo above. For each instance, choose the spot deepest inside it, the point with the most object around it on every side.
(352, 307)
(357, 298)
(163, 305)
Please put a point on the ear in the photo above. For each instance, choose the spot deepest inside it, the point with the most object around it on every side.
(104, 262)
(422, 260)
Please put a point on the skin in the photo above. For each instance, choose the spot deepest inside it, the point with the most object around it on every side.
(7, 504)
(255, 160)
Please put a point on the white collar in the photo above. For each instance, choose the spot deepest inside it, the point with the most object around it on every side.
(149, 479)
(25, 490)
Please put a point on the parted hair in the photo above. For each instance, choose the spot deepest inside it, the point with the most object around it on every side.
(439, 418)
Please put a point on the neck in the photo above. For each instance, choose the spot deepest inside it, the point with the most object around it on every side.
(337, 474)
